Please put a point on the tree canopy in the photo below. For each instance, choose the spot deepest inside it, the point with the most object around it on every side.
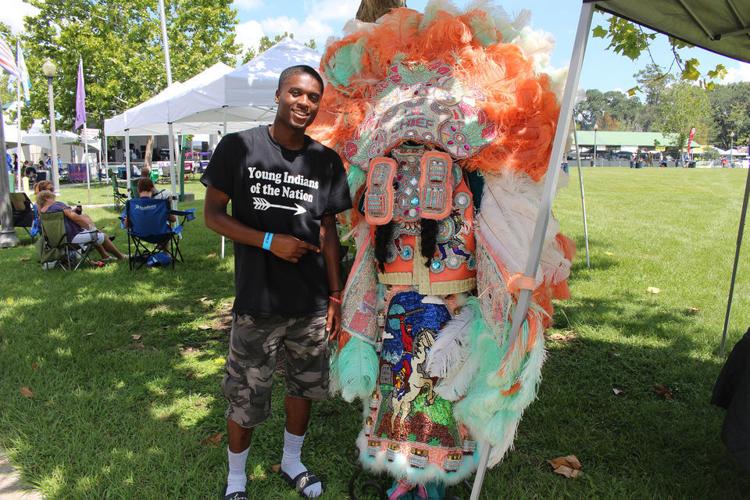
(120, 44)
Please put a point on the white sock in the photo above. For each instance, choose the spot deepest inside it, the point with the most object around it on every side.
(237, 477)
(292, 465)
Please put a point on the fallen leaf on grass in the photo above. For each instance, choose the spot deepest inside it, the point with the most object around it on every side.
(136, 338)
(212, 255)
(653, 289)
(213, 439)
(563, 337)
(617, 392)
(692, 311)
(205, 327)
(26, 392)
(88, 334)
(34, 365)
(568, 466)
(567, 472)
(24, 259)
(189, 350)
(275, 468)
(608, 253)
(663, 391)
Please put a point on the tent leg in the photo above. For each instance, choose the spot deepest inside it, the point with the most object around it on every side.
(127, 163)
(550, 183)
(105, 157)
(743, 214)
(86, 161)
(583, 196)
(223, 239)
(172, 169)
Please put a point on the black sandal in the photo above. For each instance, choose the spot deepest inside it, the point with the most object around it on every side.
(302, 481)
(237, 495)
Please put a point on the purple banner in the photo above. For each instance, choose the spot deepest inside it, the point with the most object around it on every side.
(77, 172)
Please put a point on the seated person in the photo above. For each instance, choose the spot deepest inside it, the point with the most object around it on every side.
(43, 186)
(79, 228)
(146, 189)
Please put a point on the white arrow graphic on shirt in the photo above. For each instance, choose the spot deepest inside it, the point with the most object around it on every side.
(263, 204)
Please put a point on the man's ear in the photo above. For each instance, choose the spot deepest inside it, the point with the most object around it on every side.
(277, 96)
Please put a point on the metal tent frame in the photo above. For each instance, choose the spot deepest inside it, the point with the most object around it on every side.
(715, 25)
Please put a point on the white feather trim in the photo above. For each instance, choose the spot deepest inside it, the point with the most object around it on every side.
(510, 205)
(454, 386)
(451, 347)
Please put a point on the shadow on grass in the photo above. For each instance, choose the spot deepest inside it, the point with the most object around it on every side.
(112, 416)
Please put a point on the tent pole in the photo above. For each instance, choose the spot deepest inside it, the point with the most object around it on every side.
(86, 161)
(19, 148)
(172, 172)
(127, 162)
(105, 156)
(545, 207)
(583, 195)
(743, 214)
(223, 239)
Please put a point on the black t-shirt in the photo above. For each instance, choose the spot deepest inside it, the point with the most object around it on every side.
(277, 190)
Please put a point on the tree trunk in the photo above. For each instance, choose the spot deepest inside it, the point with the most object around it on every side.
(149, 151)
(370, 10)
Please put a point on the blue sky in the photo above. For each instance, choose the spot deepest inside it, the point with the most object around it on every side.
(320, 19)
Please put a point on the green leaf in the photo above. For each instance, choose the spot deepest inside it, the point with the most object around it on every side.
(690, 71)
(633, 90)
(718, 73)
(599, 32)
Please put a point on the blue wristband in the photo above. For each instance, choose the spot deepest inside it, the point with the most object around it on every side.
(267, 239)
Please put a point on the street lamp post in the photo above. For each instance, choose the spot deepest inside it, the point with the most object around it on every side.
(50, 70)
(731, 147)
(593, 160)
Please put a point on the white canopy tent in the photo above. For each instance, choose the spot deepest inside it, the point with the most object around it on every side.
(246, 94)
(715, 25)
(156, 116)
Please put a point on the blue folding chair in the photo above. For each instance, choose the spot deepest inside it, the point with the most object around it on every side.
(146, 221)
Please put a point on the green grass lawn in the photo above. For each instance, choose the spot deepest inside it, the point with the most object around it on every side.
(114, 417)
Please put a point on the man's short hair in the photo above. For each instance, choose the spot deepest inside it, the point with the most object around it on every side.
(300, 68)
(145, 185)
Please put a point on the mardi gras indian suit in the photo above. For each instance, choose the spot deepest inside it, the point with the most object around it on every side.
(446, 132)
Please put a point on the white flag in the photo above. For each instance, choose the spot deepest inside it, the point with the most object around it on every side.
(23, 72)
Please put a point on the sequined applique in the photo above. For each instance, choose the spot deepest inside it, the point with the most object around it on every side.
(379, 196)
(436, 185)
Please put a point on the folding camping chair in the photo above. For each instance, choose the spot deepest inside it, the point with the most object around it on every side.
(146, 221)
(24, 214)
(118, 197)
(56, 250)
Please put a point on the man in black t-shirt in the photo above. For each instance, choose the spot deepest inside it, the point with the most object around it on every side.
(286, 190)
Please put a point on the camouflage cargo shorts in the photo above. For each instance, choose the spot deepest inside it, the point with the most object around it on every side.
(254, 343)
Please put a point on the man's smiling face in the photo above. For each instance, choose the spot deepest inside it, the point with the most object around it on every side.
(298, 98)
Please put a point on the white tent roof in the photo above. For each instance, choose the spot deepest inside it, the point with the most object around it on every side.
(248, 93)
(152, 116)
(218, 94)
